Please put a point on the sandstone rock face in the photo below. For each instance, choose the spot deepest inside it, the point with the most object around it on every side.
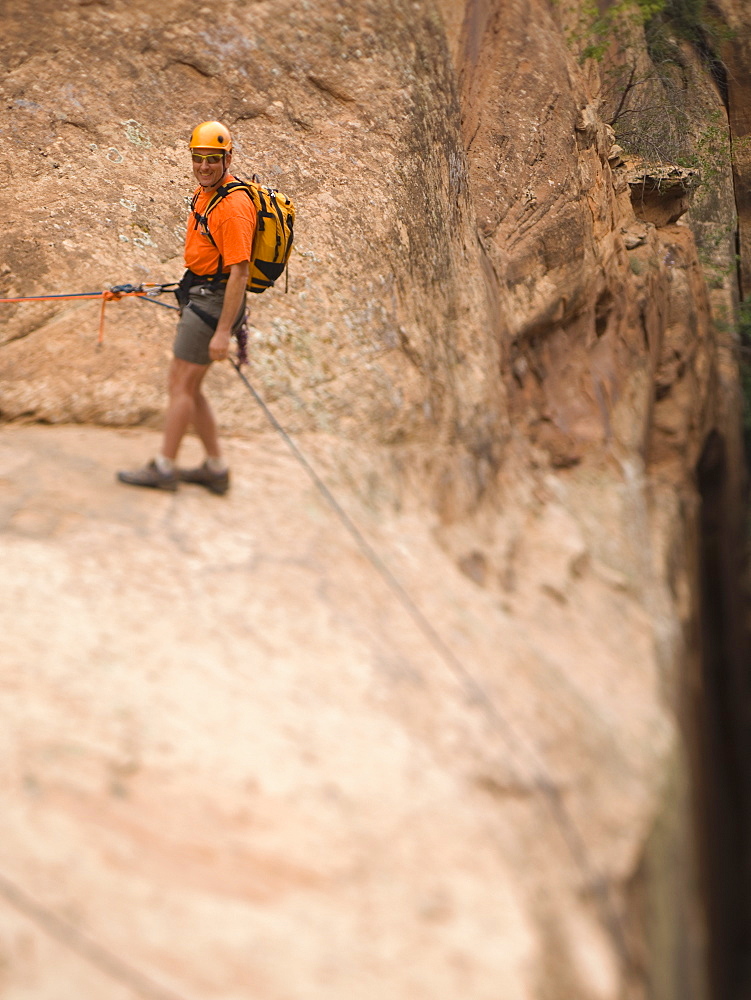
(737, 56)
(244, 759)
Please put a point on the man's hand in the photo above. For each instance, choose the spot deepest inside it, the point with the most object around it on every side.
(234, 298)
(219, 346)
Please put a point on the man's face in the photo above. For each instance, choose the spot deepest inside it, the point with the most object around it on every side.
(208, 173)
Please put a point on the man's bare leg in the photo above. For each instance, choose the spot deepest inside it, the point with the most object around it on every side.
(187, 405)
(205, 425)
(185, 380)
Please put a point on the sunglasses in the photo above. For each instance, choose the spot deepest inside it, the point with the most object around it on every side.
(208, 157)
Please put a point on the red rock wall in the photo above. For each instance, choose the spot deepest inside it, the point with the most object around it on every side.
(736, 54)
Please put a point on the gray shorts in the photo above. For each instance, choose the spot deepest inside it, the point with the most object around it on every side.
(193, 334)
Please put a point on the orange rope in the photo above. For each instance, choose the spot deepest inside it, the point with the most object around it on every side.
(42, 298)
(100, 338)
(108, 295)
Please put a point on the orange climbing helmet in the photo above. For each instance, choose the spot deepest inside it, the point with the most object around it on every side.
(211, 135)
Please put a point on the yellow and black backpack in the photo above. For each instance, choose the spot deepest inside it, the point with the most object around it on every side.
(272, 243)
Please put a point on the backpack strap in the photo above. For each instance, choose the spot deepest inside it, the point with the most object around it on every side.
(202, 221)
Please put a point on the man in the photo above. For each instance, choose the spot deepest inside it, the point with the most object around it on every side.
(212, 296)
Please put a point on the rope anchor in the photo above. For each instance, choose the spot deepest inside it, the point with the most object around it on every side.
(146, 292)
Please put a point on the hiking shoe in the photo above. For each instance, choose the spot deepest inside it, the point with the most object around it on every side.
(217, 482)
(150, 475)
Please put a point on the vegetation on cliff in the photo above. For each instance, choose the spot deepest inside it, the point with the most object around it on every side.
(656, 59)
(647, 52)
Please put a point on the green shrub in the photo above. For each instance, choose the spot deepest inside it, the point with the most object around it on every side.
(598, 31)
(693, 21)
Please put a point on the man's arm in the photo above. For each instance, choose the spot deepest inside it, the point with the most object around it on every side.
(233, 300)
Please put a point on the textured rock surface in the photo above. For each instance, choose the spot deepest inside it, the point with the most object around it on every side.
(737, 56)
(236, 763)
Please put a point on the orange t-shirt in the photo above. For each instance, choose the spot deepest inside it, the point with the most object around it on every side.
(232, 224)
